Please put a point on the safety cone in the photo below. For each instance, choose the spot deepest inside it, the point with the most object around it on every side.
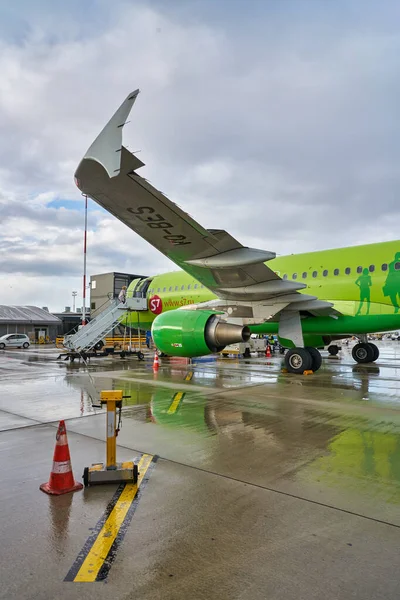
(61, 477)
(268, 351)
(156, 362)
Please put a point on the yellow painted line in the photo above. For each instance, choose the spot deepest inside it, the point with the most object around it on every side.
(175, 402)
(101, 547)
(189, 376)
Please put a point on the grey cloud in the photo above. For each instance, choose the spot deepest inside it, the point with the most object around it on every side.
(45, 268)
(300, 111)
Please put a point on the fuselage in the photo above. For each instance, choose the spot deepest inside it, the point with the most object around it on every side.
(363, 283)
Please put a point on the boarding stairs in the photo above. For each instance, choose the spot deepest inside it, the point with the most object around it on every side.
(88, 336)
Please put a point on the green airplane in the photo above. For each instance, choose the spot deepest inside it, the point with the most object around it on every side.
(225, 291)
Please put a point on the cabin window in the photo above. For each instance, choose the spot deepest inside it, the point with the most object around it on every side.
(359, 269)
(285, 276)
(397, 266)
(336, 272)
(371, 268)
(182, 287)
(195, 286)
(176, 288)
(189, 286)
(294, 276)
(170, 288)
(325, 272)
(201, 286)
(158, 289)
(315, 274)
(384, 267)
(347, 270)
(304, 275)
(164, 289)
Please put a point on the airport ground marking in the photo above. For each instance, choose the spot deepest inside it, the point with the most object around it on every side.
(97, 555)
(176, 400)
(189, 376)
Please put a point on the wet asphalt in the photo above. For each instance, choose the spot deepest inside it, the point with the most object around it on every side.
(267, 485)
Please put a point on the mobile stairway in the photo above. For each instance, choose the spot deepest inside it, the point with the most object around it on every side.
(85, 342)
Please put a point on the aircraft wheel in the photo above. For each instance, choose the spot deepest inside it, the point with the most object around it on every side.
(298, 360)
(363, 353)
(375, 350)
(333, 349)
(315, 356)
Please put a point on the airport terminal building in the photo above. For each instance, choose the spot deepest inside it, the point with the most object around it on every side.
(33, 321)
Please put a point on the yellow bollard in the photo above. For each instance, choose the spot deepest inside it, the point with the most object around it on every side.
(111, 472)
(113, 400)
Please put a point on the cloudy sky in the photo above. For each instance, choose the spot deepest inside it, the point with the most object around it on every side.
(277, 120)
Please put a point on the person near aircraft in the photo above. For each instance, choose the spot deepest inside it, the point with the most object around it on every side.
(122, 295)
(364, 282)
(148, 339)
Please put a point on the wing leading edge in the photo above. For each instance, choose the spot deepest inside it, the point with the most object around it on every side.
(237, 275)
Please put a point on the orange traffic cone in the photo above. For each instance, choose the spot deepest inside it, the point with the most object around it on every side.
(156, 362)
(61, 478)
(268, 351)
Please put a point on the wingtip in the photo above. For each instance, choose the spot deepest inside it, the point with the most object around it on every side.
(133, 95)
(106, 148)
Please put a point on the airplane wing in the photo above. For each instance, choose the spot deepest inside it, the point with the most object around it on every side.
(237, 275)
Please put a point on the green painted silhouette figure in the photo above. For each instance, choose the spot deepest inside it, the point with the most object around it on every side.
(392, 283)
(364, 282)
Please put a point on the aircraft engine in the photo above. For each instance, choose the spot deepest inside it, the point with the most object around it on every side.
(195, 333)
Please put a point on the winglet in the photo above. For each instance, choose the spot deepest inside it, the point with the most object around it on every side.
(106, 148)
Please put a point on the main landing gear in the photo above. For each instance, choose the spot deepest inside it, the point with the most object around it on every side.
(298, 360)
(365, 352)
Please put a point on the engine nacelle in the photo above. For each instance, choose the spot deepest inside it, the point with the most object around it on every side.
(195, 333)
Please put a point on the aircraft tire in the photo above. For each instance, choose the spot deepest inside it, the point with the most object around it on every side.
(333, 349)
(375, 350)
(298, 360)
(363, 353)
(315, 357)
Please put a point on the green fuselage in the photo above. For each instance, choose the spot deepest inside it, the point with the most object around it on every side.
(363, 283)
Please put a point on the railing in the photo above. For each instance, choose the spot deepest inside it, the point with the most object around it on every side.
(113, 341)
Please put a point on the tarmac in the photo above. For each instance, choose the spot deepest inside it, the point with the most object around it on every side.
(261, 484)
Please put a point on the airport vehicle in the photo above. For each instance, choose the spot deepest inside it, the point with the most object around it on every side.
(394, 336)
(14, 340)
(226, 291)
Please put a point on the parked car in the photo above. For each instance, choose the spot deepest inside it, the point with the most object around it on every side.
(14, 340)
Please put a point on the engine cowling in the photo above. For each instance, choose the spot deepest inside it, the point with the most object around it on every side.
(195, 333)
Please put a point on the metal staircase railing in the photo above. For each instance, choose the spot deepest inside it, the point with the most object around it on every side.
(88, 336)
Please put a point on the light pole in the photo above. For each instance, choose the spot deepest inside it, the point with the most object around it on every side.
(74, 295)
(84, 263)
